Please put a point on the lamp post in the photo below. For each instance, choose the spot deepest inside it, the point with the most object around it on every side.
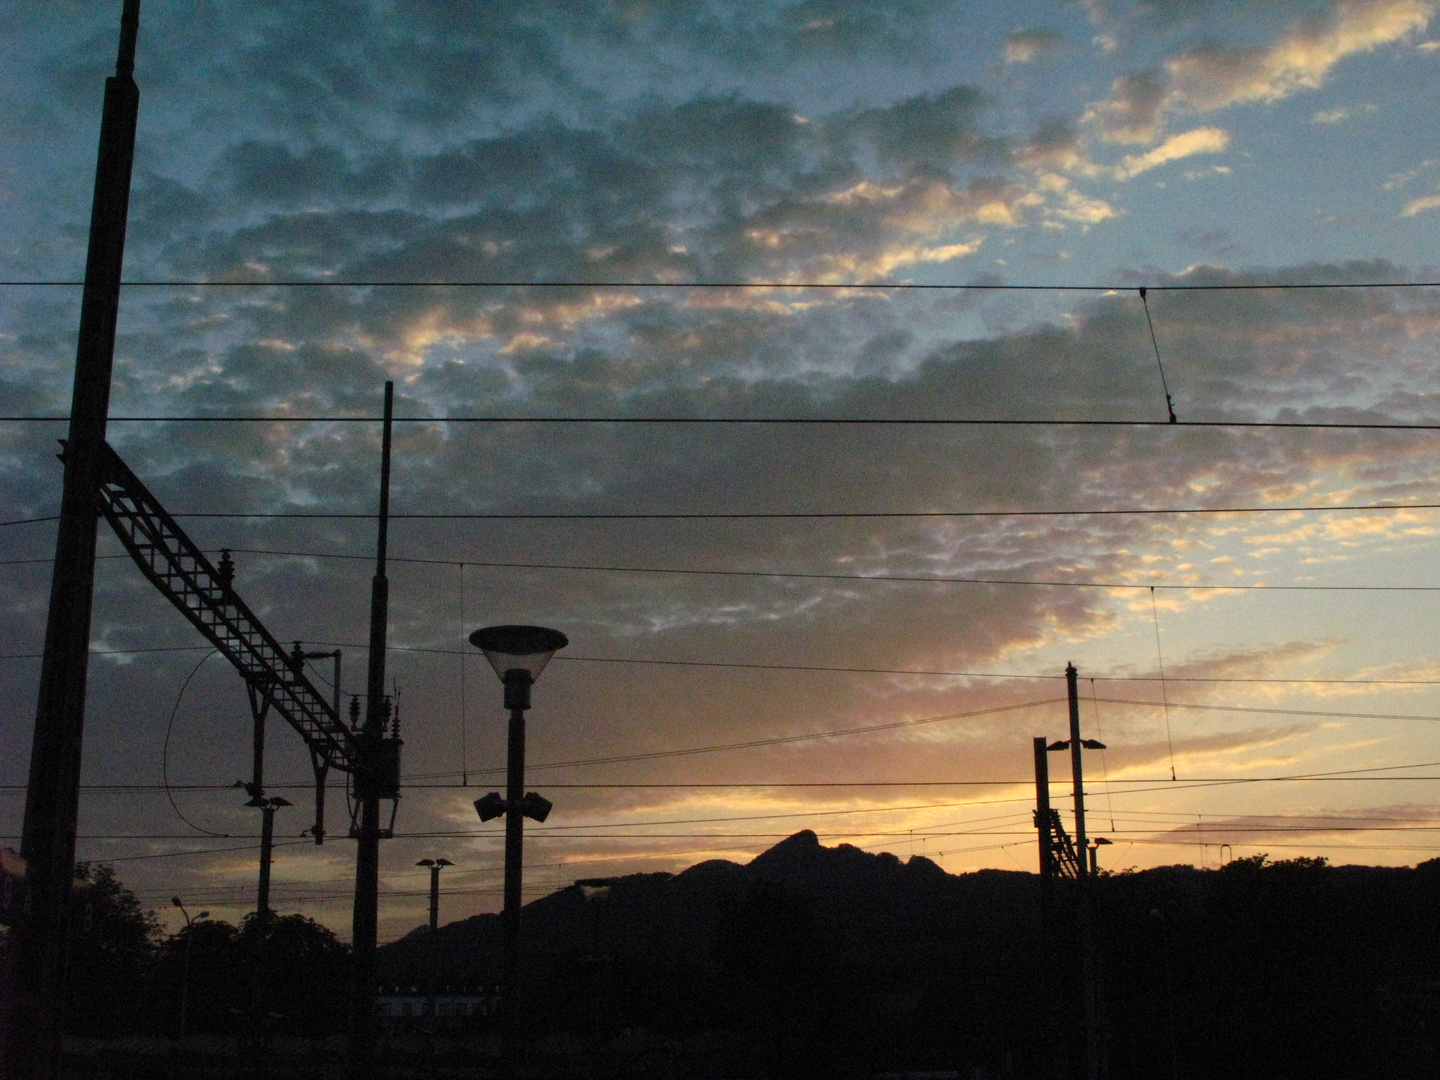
(185, 962)
(1096, 1066)
(1094, 848)
(518, 654)
(596, 892)
(435, 866)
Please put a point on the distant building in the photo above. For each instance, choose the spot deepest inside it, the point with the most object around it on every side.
(401, 1006)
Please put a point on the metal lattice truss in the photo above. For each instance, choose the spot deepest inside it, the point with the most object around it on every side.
(1062, 850)
(182, 573)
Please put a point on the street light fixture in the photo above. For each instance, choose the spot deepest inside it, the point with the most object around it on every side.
(185, 963)
(435, 866)
(597, 895)
(518, 654)
(1094, 848)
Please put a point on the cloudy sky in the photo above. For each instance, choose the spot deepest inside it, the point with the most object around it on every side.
(646, 210)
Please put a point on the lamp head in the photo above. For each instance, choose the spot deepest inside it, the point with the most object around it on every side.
(536, 807)
(518, 653)
(1059, 744)
(596, 888)
(443, 862)
(490, 807)
(1092, 744)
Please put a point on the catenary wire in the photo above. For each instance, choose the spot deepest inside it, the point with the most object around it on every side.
(783, 286)
(842, 421)
(919, 579)
(779, 515)
(1016, 676)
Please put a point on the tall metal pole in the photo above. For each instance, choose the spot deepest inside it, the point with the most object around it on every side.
(190, 925)
(367, 855)
(517, 700)
(1076, 769)
(31, 1035)
(267, 846)
(1047, 996)
(259, 975)
(1089, 961)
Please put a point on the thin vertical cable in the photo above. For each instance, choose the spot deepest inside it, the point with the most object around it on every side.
(1169, 402)
(1104, 765)
(464, 725)
(1164, 694)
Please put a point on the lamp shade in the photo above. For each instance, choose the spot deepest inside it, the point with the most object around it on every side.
(518, 648)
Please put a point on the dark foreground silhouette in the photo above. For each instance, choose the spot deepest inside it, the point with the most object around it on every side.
(832, 962)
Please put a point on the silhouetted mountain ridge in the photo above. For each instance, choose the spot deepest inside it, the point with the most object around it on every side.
(829, 961)
(874, 908)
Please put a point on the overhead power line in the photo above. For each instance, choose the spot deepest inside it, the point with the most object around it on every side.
(786, 515)
(1361, 773)
(921, 579)
(786, 575)
(819, 668)
(1270, 711)
(681, 286)
(843, 421)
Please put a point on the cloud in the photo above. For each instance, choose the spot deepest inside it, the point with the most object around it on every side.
(488, 143)
(1420, 205)
(1207, 140)
(690, 353)
(1026, 46)
(1212, 76)
(1132, 114)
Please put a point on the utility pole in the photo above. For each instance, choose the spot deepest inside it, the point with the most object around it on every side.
(1049, 871)
(30, 1028)
(371, 784)
(1095, 1060)
(1077, 769)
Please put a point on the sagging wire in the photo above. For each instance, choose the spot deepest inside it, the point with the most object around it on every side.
(1104, 765)
(165, 750)
(464, 726)
(1169, 402)
(1164, 694)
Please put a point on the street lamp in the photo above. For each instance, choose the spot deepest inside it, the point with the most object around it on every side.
(1094, 847)
(518, 654)
(185, 963)
(597, 893)
(435, 866)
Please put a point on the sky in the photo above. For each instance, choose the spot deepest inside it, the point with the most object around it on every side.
(653, 210)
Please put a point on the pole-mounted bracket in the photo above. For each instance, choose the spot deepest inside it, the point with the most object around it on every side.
(536, 807)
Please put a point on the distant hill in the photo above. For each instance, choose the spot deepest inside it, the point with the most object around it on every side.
(881, 912)
(837, 962)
